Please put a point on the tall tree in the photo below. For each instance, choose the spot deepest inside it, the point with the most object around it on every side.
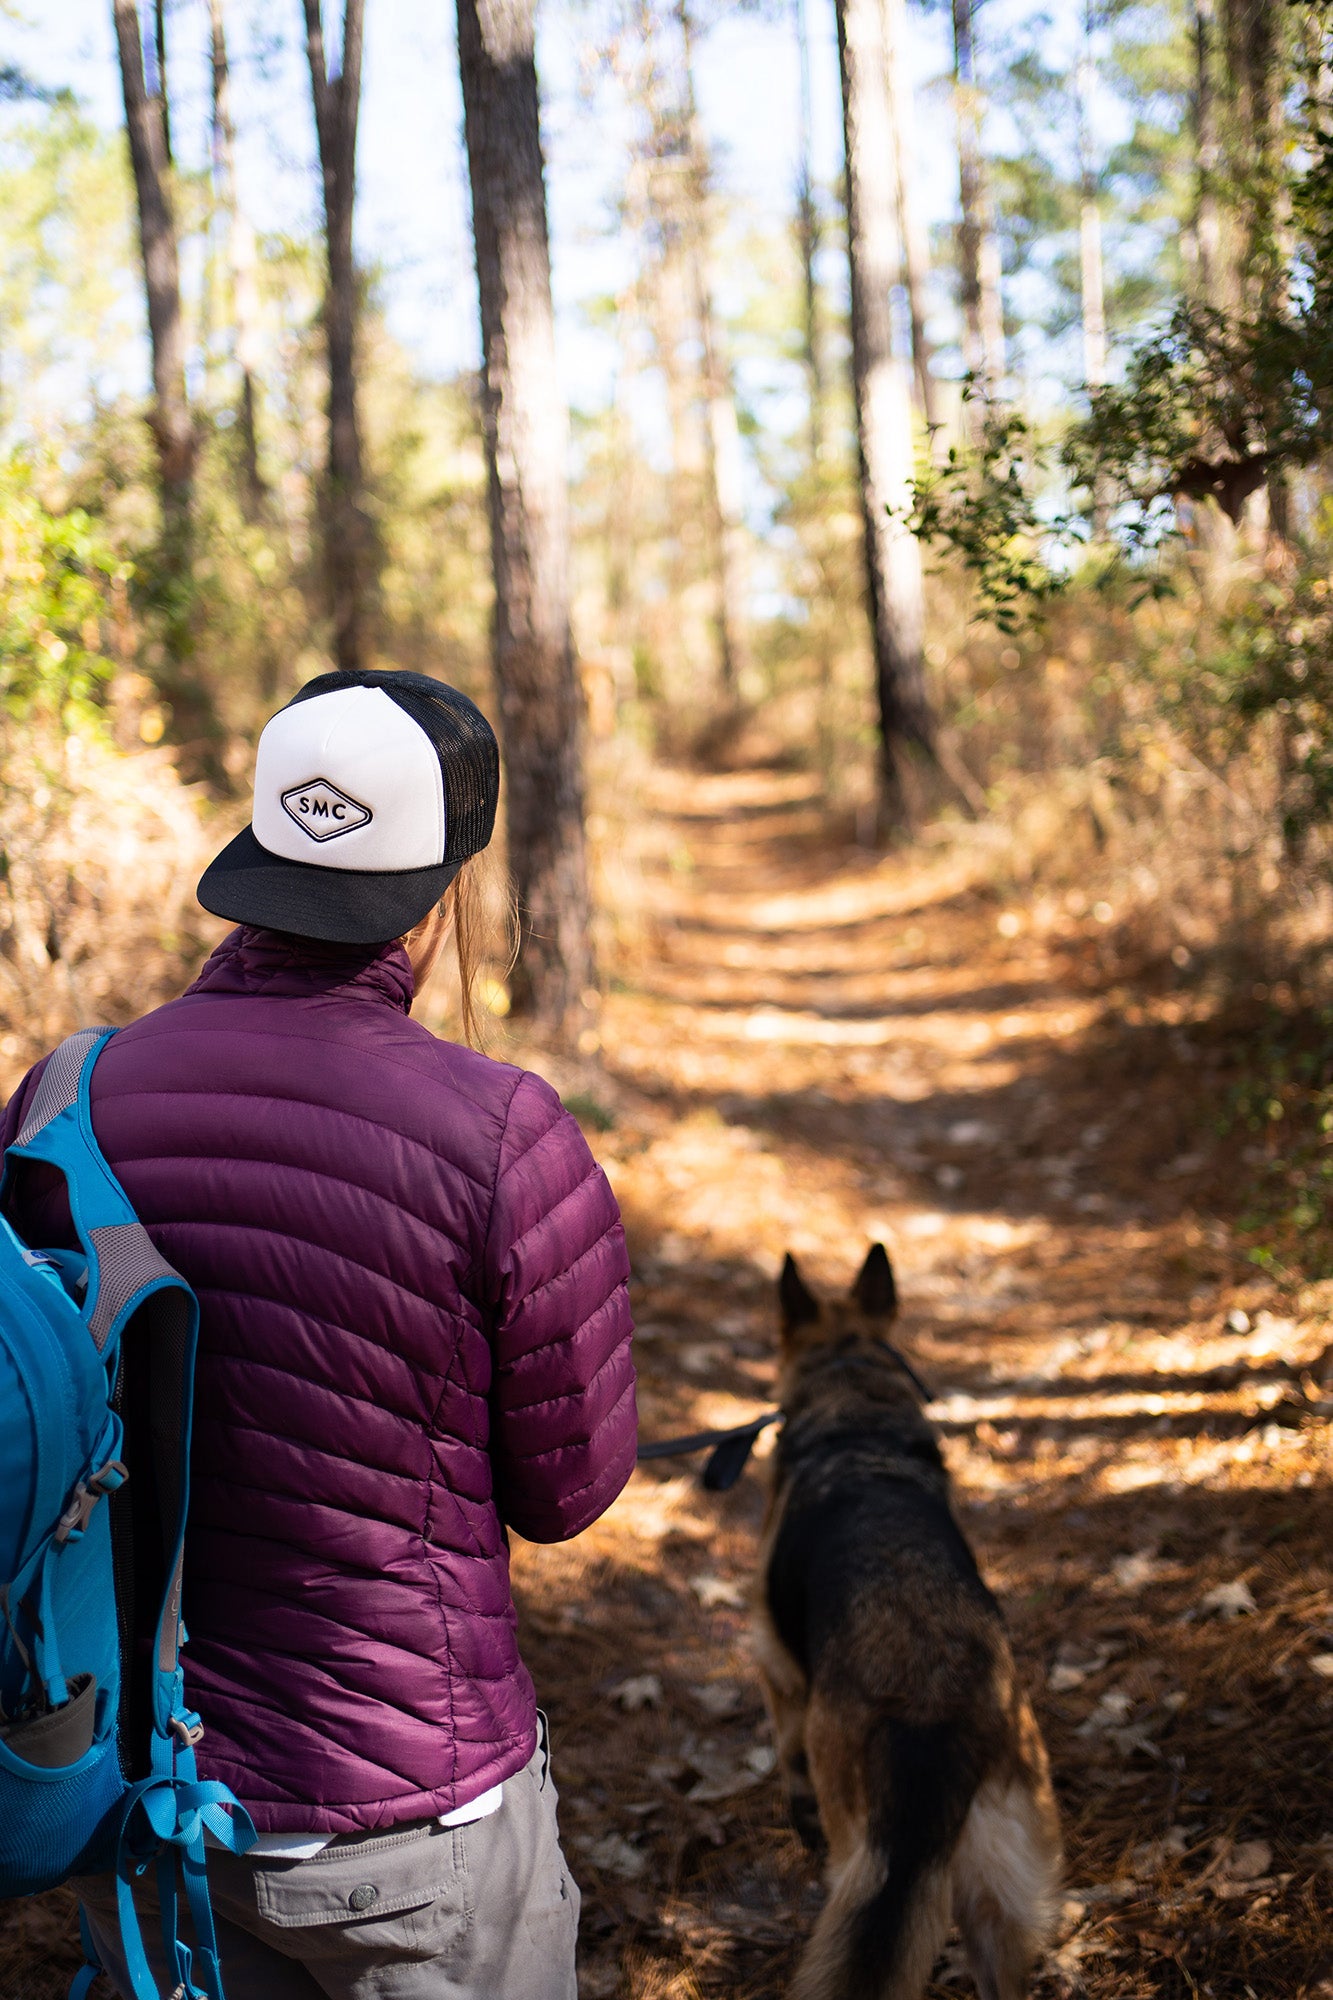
(240, 257)
(807, 244)
(1255, 43)
(916, 252)
(160, 79)
(350, 543)
(978, 252)
(883, 410)
(1252, 38)
(1092, 284)
(172, 427)
(1206, 228)
(721, 431)
(194, 721)
(526, 429)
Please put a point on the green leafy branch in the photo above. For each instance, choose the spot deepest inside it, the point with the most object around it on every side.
(981, 503)
(57, 574)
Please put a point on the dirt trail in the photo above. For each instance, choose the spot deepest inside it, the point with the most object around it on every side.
(824, 1050)
(819, 1050)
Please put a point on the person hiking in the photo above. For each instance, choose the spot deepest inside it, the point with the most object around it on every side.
(415, 1337)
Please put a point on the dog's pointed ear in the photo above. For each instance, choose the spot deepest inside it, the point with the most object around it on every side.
(875, 1291)
(799, 1305)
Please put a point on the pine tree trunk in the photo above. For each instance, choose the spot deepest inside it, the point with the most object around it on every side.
(194, 723)
(1207, 227)
(657, 215)
(525, 426)
(721, 432)
(1251, 32)
(173, 430)
(350, 551)
(807, 245)
(916, 250)
(160, 90)
(1092, 280)
(978, 252)
(667, 315)
(242, 260)
(1092, 287)
(883, 411)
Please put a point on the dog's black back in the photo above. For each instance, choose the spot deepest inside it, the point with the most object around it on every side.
(855, 1529)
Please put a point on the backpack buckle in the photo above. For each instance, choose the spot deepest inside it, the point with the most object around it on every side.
(86, 1496)
(186, 1728)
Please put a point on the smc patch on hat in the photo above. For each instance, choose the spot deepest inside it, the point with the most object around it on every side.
(371, 790)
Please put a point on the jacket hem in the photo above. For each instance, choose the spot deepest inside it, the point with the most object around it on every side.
(371, 1816)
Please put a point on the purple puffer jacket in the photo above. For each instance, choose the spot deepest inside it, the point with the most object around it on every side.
(415, 1332)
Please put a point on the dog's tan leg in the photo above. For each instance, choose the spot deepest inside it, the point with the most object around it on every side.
(787, 1693)
(1006, 1879)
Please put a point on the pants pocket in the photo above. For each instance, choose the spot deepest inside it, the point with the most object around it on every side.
(404, 1894)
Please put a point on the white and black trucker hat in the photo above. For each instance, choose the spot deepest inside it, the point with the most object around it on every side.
(371, 790)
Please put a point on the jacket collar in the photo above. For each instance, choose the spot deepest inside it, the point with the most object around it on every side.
(250, 960)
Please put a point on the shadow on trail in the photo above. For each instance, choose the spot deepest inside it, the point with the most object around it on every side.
(1180, 1718)
(822, 999)
(1167, 1588)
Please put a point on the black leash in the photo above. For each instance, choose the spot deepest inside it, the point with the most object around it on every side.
(730, 1450)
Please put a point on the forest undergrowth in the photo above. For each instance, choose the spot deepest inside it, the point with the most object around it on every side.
(817, 1047)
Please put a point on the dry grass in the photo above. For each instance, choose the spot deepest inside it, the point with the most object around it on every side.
(98, 920)
(1118, 773)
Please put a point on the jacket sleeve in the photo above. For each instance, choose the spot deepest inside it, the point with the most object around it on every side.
(563, 1423)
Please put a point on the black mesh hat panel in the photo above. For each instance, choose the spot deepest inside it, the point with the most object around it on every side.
(464, 743)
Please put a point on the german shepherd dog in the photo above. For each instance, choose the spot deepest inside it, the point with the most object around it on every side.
(902, 1734)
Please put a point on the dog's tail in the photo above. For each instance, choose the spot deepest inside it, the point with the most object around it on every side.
(888, 1908)
(1006, 1879)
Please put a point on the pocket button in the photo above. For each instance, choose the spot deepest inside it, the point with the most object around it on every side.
(362, 1897)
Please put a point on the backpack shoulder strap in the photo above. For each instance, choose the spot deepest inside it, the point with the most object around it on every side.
(123, 1266)
(60, 1081)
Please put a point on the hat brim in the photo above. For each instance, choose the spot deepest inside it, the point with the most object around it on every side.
(338, 906)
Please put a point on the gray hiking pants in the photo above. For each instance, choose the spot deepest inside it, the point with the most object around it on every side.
(480, 1912)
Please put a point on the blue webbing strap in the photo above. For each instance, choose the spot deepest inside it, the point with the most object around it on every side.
(195, 1869)
(178, 1955)
(143, 1986)
(196, 1805)
(178, 1806)
(92, 1964)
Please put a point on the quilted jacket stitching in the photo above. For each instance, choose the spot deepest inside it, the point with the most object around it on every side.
(389, 1201)
(318, 1319)
(272, 1097)
(217, 1224)
(575, 1444)
(489, 1695)
(570, 1271)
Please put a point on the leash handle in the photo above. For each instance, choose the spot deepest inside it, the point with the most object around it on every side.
(681, 1447)
(730, 1450)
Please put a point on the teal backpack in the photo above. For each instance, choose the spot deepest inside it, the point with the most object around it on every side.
(97, 1765)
